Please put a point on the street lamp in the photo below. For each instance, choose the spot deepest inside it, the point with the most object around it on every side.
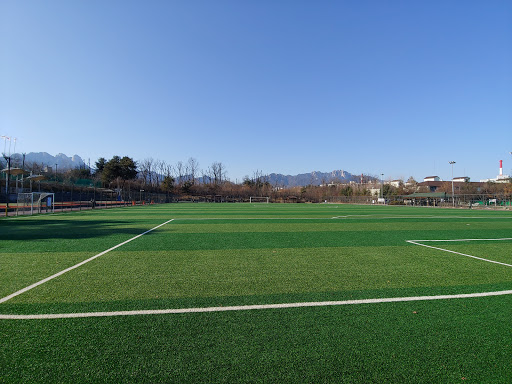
(453, 193)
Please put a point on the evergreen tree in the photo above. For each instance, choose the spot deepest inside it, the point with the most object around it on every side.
(124, 168)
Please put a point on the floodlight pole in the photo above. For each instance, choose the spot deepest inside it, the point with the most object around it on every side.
(23, 174)
(453, 190)
(7, 177)
(382, 185)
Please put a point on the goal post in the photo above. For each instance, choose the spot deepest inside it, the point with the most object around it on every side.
(259, 199)
(35, 202)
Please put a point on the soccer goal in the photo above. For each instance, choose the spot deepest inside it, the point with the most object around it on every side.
(35, 202)
(264, 199)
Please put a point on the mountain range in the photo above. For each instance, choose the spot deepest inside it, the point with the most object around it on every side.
(43, 158)
(312, 178)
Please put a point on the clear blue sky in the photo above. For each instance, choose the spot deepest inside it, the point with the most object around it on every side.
(285, 86)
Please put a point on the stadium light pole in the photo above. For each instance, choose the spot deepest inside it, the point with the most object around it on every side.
(382, 185)
(7, 177)
(8, 159)
(453, 193)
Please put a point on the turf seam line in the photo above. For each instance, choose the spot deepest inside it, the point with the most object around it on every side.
(17, 293)
(415, 242)
(251, 307)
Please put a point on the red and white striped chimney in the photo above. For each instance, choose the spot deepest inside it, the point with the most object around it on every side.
(501, 167)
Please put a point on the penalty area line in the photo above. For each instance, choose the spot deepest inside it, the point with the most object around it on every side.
(415, 242)
(17, 293)
(251, 307)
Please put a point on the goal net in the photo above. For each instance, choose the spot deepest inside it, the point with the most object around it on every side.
(35, 202)
(253, 199)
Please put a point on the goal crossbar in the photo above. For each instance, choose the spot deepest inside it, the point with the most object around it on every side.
(259, 199)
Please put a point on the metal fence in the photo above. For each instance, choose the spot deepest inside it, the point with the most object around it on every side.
(77, 199)
(83, 198)
(472, 201)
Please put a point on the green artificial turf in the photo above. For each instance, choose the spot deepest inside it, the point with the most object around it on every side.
(243, 254)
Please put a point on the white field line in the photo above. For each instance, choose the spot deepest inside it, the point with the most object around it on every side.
(263, 306)
(250, 218)
(417, 217)
(369, 217)
(416, 242)
(251, 307)
(504, 238)
(4, 299)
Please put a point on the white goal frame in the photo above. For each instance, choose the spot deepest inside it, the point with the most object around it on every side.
(35, 200)
(259, 199)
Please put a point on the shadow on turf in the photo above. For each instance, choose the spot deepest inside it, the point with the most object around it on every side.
(64, 229)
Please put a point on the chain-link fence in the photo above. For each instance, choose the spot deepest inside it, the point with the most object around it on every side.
(434, 200)
(77, 198)
(71, 198)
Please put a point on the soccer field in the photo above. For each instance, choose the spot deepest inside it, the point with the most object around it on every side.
(257, 293)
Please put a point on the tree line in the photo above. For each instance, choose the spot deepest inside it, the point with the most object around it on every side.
(189, 179)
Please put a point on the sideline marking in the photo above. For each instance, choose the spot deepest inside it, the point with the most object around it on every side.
(3, 300)
(416, 242)
(250, 307)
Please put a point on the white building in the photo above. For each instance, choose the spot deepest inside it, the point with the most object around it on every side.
(432, 178)
(501, 178)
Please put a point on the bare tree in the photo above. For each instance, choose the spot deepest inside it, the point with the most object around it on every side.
(169, 170)
(160, 167)
(218, 173)
(180, 169)
(146, 171)
(192, 169)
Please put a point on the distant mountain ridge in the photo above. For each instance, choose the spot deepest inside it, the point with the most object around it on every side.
(277, 179)
(312, 178)
(63, 162)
